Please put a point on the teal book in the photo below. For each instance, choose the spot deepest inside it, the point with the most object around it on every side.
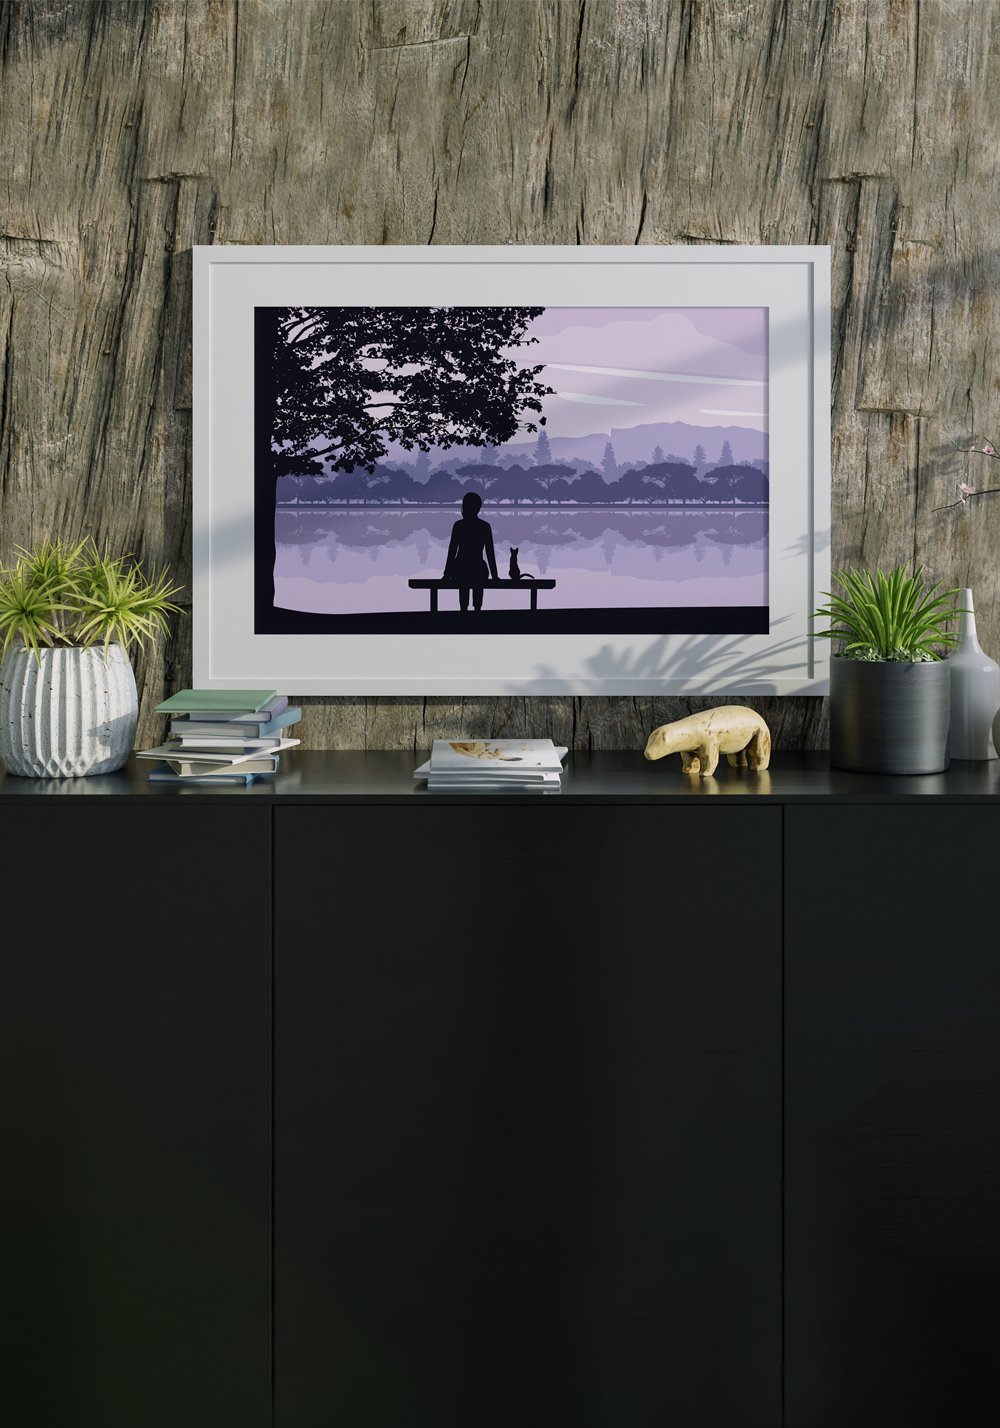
(213, 701)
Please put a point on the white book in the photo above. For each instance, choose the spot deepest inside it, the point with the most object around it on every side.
(220, 760)
(225, 743)
(488, 775)
(186, 768)
(436, 785)
(495, 757)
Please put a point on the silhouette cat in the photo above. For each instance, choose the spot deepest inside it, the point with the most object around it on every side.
(515, 571)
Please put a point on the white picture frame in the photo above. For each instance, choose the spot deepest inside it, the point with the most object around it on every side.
(792, 282)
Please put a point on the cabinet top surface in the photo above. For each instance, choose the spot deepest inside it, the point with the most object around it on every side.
(353, 776)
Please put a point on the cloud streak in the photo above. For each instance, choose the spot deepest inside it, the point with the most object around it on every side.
(657, 376)
(593, 401)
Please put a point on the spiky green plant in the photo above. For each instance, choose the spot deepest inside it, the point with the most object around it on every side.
(61, 594)
(890, 617)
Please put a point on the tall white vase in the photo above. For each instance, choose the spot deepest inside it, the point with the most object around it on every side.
(975, 693)
(72, 715)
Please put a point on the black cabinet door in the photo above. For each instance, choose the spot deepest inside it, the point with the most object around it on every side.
(135, 1116)
(527, 1116)
(893, 1104)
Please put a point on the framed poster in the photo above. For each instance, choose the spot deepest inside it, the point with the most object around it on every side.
(511, 470)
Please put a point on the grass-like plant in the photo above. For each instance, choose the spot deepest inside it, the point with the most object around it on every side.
(61, 594)
(889, 618)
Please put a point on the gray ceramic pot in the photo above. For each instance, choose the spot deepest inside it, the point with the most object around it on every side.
(889, 718)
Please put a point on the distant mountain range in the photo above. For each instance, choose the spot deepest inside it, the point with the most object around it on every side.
(636, 443)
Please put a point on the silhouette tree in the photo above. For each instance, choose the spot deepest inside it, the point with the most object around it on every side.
(286, 464)
(480, 474)
(660, 481)
(686, 486)
(631, 487)
(591, 489)
(700, 457)
(547, 476)
(517, 485)
(350, 486)
(608, 463)
(383, 486)
(345, 380)
(744, 483)
(726, 455)
(543, 451)
(658, 456)
(441, 489)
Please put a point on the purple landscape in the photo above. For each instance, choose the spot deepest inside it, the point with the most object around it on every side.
(628, 460)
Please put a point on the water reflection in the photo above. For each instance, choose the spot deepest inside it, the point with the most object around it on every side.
(599, 556)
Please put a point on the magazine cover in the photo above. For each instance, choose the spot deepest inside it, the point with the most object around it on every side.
(494, 756)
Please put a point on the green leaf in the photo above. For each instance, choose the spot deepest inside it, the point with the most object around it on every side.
(66, 594)
(889, 614)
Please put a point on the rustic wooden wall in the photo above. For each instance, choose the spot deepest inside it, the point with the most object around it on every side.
(132, 129)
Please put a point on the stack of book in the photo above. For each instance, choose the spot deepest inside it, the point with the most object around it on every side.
(493, 766)
(222, 736)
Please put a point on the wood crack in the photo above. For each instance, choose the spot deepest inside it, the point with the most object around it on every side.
(856, 178)
(420, 44)
(34, 238)
(899, 411)
(173, 178)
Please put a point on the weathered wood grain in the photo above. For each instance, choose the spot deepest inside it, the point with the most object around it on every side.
(132, 129)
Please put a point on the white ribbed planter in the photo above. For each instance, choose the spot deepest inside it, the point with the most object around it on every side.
(75, 715)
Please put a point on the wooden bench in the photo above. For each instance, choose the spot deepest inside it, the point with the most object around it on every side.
(435, 585)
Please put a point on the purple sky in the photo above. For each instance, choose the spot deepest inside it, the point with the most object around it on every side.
(738, 326)
(627, 367)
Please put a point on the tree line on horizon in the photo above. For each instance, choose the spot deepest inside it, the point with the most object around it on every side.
(658, 483)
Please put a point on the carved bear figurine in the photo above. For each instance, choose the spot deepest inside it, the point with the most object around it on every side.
(733, 730)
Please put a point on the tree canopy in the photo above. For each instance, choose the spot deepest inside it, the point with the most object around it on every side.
(347, 380)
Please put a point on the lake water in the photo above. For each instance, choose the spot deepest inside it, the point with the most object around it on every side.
(354, 560)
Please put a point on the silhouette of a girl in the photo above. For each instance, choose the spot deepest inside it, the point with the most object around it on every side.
(470, 538)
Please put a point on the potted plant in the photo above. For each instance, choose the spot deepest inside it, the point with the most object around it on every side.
(890, 703)
(68, 701)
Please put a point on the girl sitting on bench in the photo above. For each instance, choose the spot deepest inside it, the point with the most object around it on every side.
(465, 565)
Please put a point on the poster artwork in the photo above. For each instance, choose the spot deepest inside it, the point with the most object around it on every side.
(462, 470)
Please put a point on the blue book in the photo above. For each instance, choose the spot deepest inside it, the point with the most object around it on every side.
(163, 773)
(252, 727)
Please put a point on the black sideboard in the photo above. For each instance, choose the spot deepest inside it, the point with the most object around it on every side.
(660, 1100)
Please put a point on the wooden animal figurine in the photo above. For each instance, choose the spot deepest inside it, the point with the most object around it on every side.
(733, 730)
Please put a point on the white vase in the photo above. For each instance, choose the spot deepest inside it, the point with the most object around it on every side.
(975, 693)
(74, 714)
